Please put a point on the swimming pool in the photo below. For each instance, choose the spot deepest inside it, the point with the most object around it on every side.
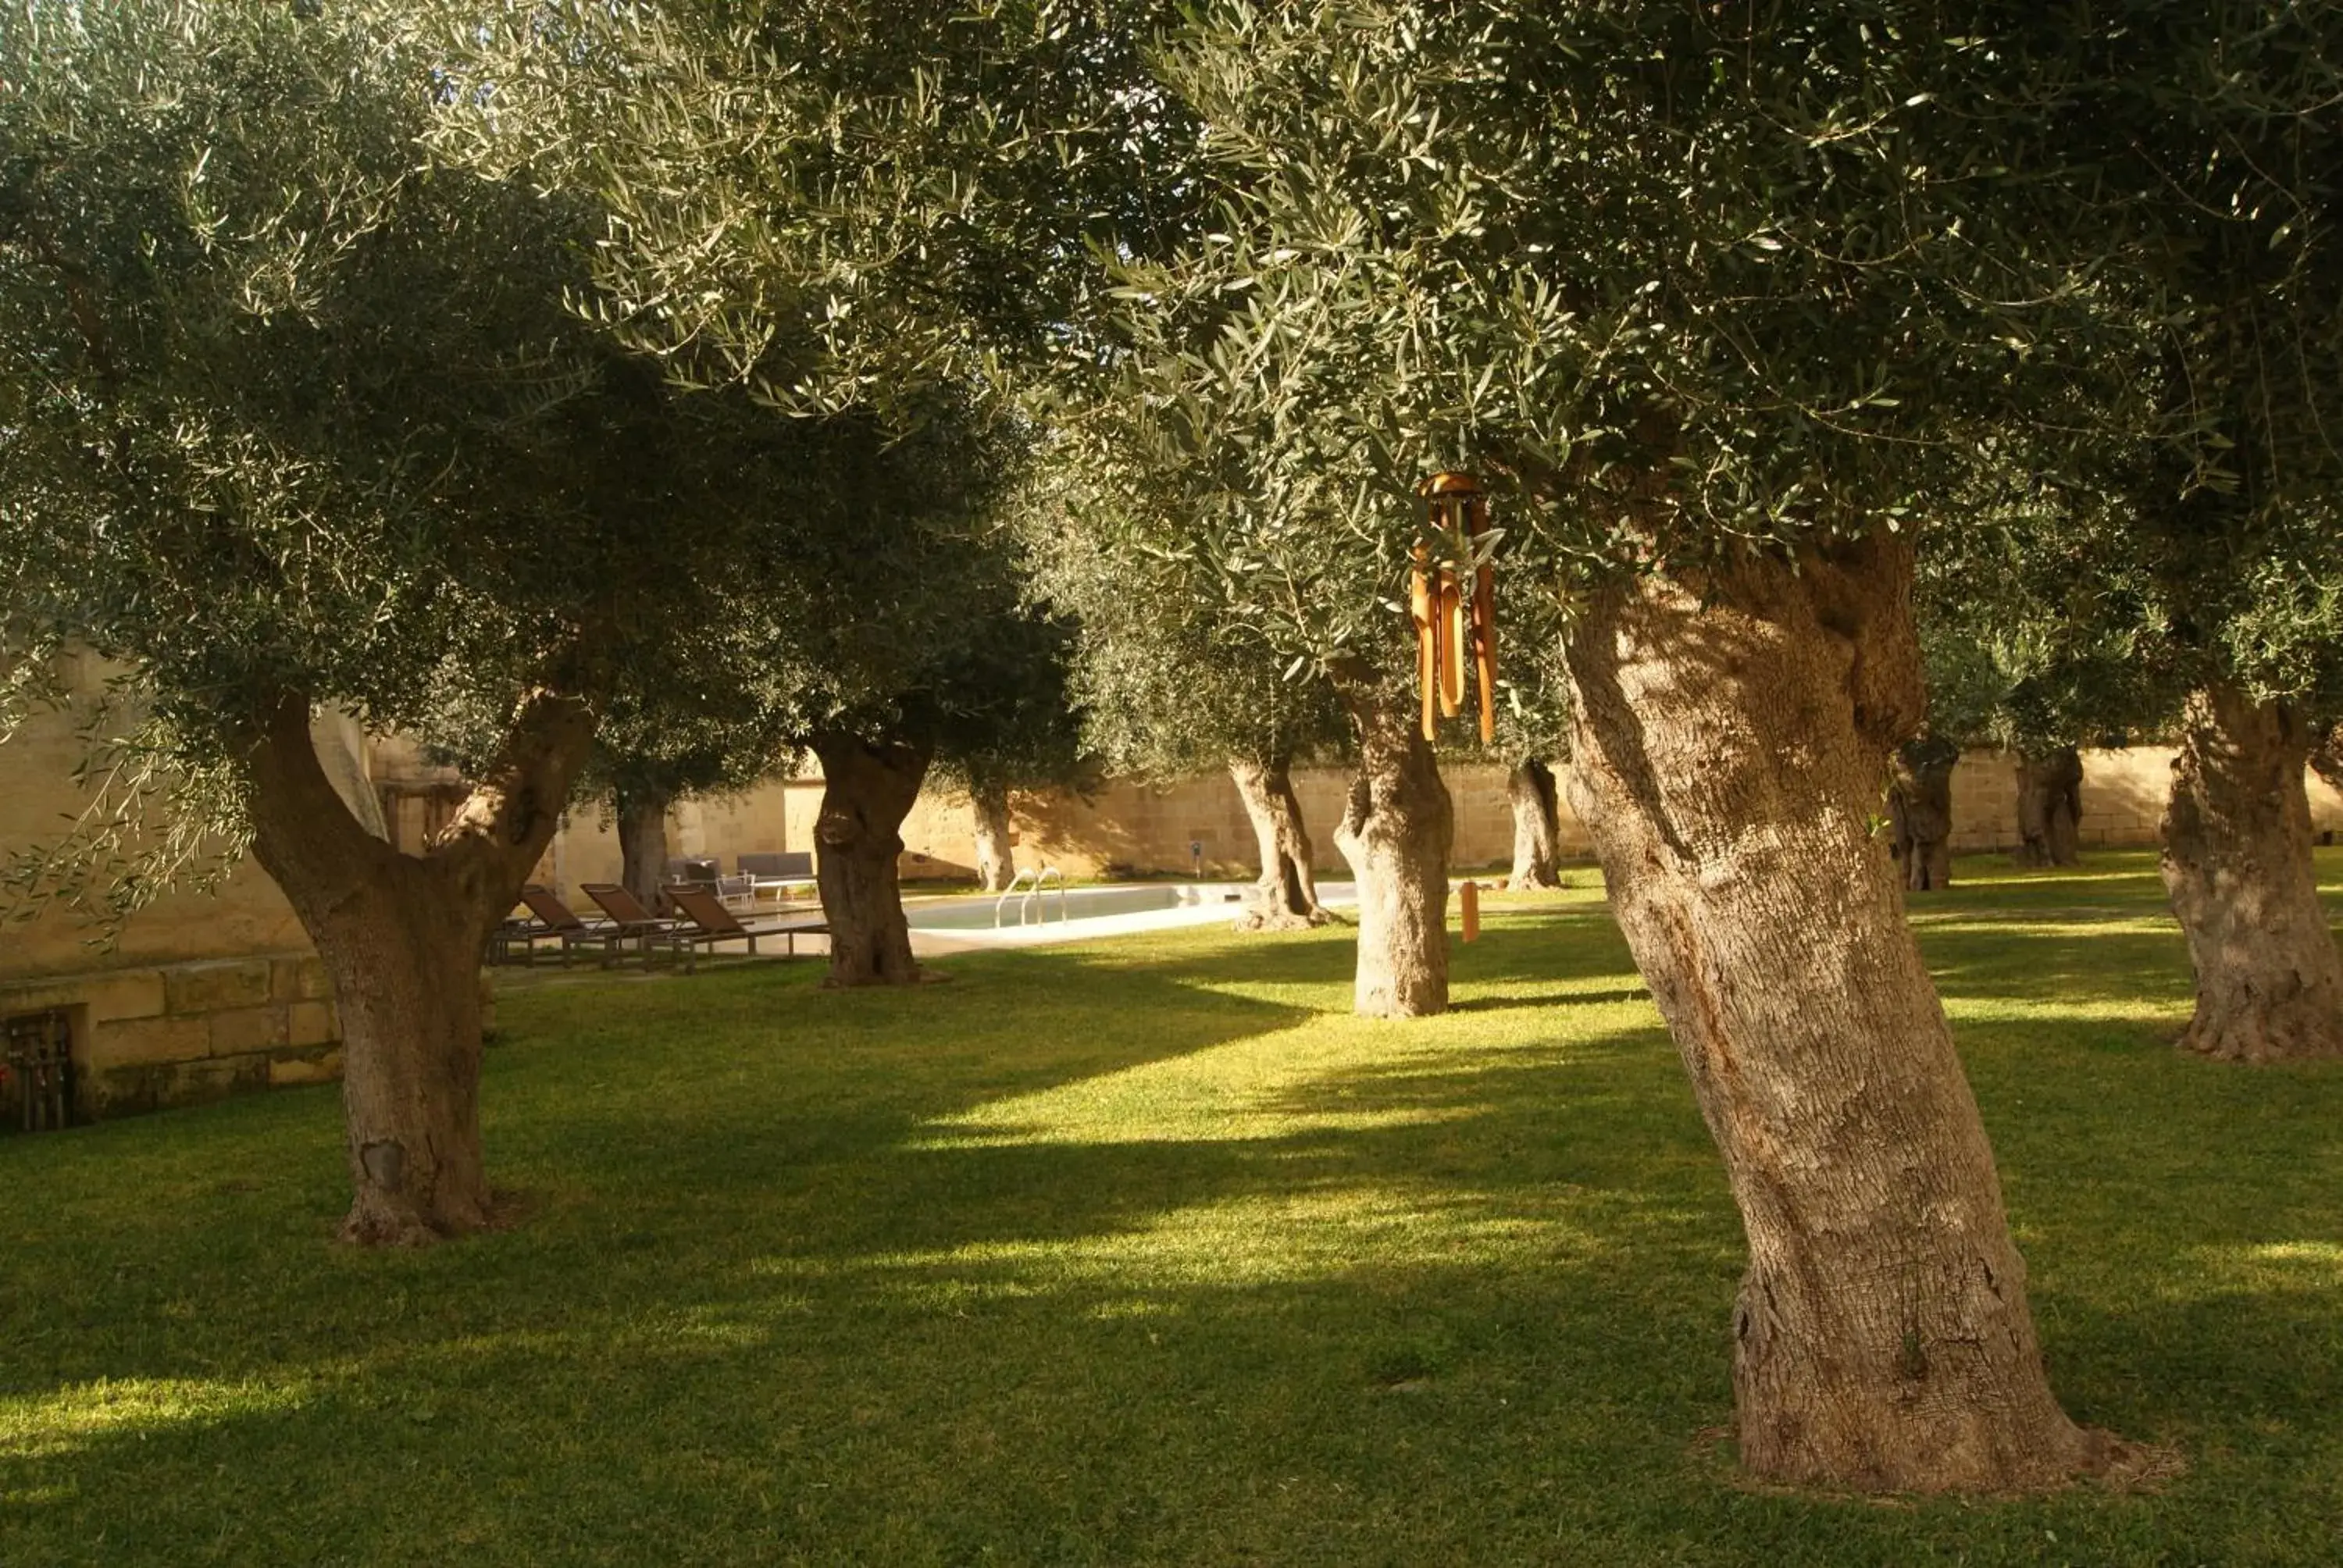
(1068, 904)
(1056, 916)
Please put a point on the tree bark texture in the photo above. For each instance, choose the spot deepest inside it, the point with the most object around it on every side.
(401, 938)
(1920, 812)
(996, 856)
(2049, 807)
(1396, 833)
(1730, 741)
(867, 789)
(642, 843)
(2237, 861)
(1537, 826)
(1285, 897)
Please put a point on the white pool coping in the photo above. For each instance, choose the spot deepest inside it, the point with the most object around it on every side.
(1213, 905)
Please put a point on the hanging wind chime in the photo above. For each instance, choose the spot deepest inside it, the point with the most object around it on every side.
(1442, 606)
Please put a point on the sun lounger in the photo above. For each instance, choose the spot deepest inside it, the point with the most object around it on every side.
(710, 923)
(630, 920)
(552, 921)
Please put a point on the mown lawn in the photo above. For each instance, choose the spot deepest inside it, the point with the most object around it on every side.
(1149, 1253)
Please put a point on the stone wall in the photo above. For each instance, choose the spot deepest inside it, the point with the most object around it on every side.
(2124, 793)
(1149, 827)
(39, 801)
(1124, 829)
(1129, 827)
(174, 1034)
(200, 993)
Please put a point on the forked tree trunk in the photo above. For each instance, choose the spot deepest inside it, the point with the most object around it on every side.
(867, 789)
(2049, 808)
(1285, 898)
(2237, 861)
(1920, 807)
(996, 855)
(1730, 741)
(1537, 826)
(401, 938)
(642, 842)
(1396, 834)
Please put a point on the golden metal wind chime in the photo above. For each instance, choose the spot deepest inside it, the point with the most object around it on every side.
(1441, 606)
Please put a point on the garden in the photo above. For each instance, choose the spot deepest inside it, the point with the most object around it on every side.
(1150, 1252)
(437, 434)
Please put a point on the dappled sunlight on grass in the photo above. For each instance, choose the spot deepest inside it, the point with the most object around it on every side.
(1315, 1234)
(1260, 1086)
(1970, 923)
(1223, 1093)
(48, 1425)
(1967, 1010)
(2133, 870)
(2258, 1267)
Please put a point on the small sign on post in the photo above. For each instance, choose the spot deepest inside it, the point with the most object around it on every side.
(1196, 853)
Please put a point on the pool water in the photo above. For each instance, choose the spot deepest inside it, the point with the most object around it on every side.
(983, 914)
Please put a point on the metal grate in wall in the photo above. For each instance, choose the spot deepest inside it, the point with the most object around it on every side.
(36, 1050)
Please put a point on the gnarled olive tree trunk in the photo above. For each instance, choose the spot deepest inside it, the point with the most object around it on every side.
(1920, 810)
(867, 789)
(1285, 897)
(642, 841)
(1730, 741)
(1537, 826)
(996, 851)
(1395, 833)
(2049, 808)
(401, 938)
(2237, 861)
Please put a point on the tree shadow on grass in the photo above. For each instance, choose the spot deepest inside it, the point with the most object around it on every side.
(1170, 1350)
(1084, 1260)
(1552, 998)
(2063, 965)
(1480, 1325)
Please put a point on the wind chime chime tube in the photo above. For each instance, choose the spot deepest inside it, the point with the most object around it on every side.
(1443, 608)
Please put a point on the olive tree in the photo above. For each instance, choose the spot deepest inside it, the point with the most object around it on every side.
(2081, 621)
(1169, 690)
(298, 417)
(1719, 304)
(2020, 627)
(2196, 149)
(1019, 727)
(923, 648)
(2221, 118)
(1711, 300)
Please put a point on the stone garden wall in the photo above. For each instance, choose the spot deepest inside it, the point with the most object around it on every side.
(199, 996)
(174, 1034)
(1129, 827)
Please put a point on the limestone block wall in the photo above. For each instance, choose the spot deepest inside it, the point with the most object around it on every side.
(2124, 793)
(38, 803)
(174, 1034)
(199, 995)
(1127, 827)
(1149, 828)
(1130, 827)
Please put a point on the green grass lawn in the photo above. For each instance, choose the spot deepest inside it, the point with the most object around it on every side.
(1148, 1253)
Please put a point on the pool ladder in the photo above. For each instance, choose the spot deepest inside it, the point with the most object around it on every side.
(1041, 879)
